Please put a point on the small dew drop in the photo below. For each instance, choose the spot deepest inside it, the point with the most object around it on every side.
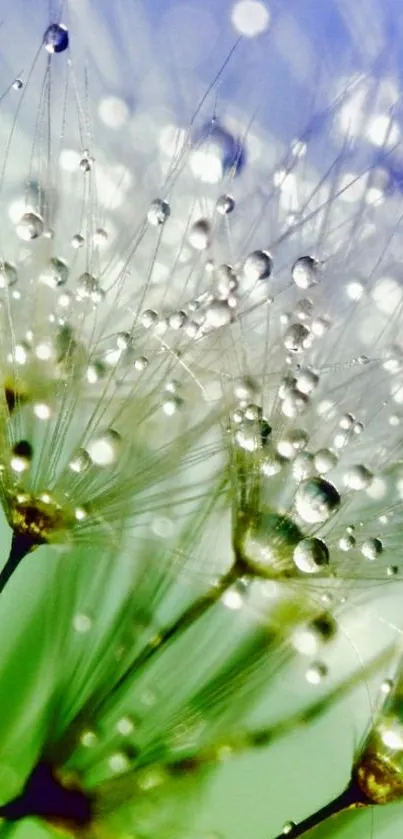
(258, 266)
(80, 462)
(158, 212)
(77, 241)
(87, 286)
(218, 314)
(387, 687)
(82, 623)
(371, 549)
(199, 235)
(88, 738)
(42, 410)
(316, 673)
(100, 237)
(149, 318)
(56, 38)
(125, 726)
(225, 204)
(297, 338)
(30, 226)
(119, 762)
(325, 460)
(55, 274)
(305, 272)
(21, 458)
(8, 275)
(358, 477)
(172, 405)
(105, 448)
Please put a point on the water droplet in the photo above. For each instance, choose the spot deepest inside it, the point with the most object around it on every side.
(199, 234)
(306, 380)
(55, 274)
(215, 153)
(226, 281)
(172, 405)
(56, 38)
(268, 543)
(30, 226)
(158, 212)
(119, 762)
(387, 687)
(258, 266)
(297, 338)
(311, 555)
(288, 828)
(18, 84)
(316, 673)
(371, 549)
(42, 410)
(8, 275)
(316, 500)
(95, 372)
(87, 286)
(308, 639)
(77, 241)
(82, 623)
(105, 448)
(346, 422)
(225, 204)
(86, 162)
(22, 454)
(88, 738)
(294, 403)
(303, 466)
(149, 318)
(325, 460)
(358, 477)
(125, 726)
(346, 543)
(234, 597)
(305, 271)
(100, 237)
(218, 314)
(80, 462)
(141, 363)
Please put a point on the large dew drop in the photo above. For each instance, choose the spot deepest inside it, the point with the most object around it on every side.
(268, 544)
(316, 500)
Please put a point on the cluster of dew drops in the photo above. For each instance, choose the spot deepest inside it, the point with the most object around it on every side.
(316, 498)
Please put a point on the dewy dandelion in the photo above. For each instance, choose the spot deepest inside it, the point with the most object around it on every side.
(201, 389)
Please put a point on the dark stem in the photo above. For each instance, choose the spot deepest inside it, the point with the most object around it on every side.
(21, 545)
(44, 796)
(351, 799)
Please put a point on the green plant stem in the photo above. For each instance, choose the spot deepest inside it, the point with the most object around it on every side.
(21, 545)
(352, 798)
(158, 644)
